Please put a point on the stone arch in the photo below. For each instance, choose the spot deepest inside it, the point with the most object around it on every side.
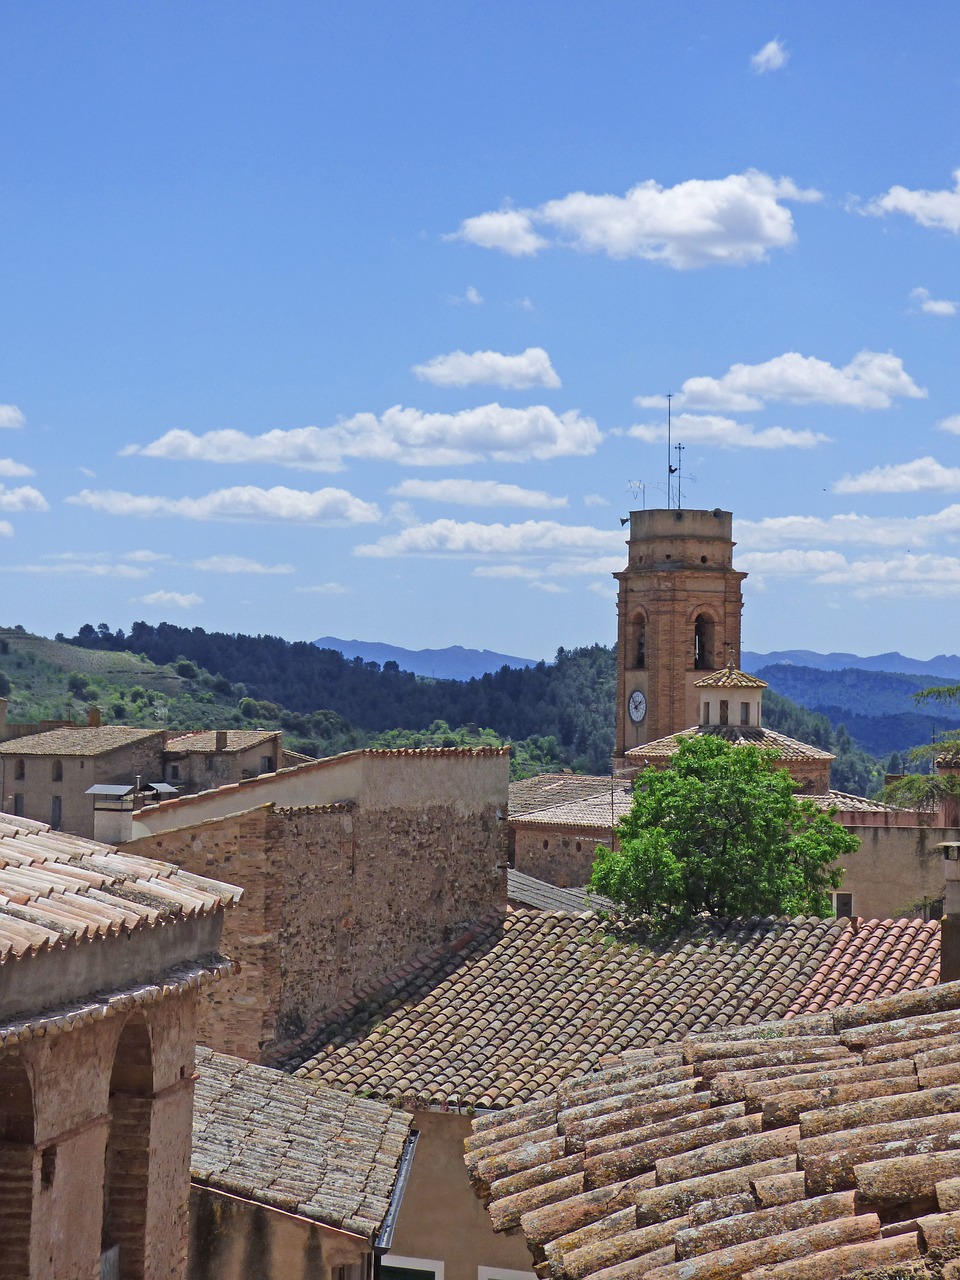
(17, 1134)
(126, 1176)
(705, 638)
(638, 640)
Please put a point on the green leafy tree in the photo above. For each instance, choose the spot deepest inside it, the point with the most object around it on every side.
(924, 788)
(721, 831)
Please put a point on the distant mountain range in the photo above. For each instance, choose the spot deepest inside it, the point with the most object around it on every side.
(452, 663)
(945, 665)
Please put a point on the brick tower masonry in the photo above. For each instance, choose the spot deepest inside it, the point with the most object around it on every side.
(678, 618)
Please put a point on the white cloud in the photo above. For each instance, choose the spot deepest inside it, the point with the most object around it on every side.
(697, 223)
(790, 562)
(326, 589)
(147, 557)
(595, 500)
(509, 230)
(10, 416)
(239, 564)
(871, 380)
(898, 576)
(10, 468)
(477, 493)
(473, 297)
(177, 599)
(241, 503)
(725, 433)
(939, 209)
(6, 529)
(952, 424)
(452, 537)
(26, 498)
(922, 475)
(406, 436)
(507, 571)
(882, 531)
(79, 565)
(771, 57)
(553, 588)
(932, 306)
(531, 368)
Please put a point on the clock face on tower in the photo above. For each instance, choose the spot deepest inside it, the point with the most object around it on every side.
(637, 706)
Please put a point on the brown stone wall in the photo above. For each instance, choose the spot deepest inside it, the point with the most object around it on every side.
(232, 1239)
(897, 871)
(338, 896)
(560, 857)
(238, 1014)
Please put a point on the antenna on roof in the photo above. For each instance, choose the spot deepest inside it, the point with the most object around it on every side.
(679, 451)
(671, 469)
(638, 488)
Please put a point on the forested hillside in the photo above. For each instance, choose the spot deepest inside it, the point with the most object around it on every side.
(565, 709)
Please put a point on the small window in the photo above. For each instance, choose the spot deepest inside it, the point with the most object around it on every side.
(744, 712)
(267, 764)
(18, 804)
(579, 847)
(20, 769)
(56, 812)
(546, 844)
(174, 773)
(842, 905)
(48, 1166)
(724, 711)
(57, 771)
(706, 713)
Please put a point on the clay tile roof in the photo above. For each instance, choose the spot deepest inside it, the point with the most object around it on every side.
(847, 803)
(289, 1144)
(57, 888)
(525, 1001)
(594, 811)
(804, 1149)
(84, 740)
(786, 748)
(549, 789)
(526, 891)
(730, 678)
(205, 740)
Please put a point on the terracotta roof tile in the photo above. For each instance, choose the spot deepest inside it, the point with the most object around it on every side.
(549, 789)
(263, 1136)
(870, 1162)
(730, 678)
(540, 996)
(205, 740)
(57, 888)
(83, 740)
(758, 736)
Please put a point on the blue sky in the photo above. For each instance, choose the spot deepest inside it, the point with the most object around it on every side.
(358, 319)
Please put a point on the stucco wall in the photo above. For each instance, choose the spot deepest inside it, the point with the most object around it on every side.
(338, 897)
(233, 1239)
(895, 870)
(441, 1218)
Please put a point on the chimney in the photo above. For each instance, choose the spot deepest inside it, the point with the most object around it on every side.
(221, 740)
(93, 717)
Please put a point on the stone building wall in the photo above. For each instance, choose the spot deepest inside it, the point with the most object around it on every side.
(98, 1142)
(338, 895)
(559, 856)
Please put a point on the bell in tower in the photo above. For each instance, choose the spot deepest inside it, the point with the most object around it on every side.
(678, 618)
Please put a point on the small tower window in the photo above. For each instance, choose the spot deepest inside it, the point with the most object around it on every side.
(19, 769)
(744, 712)
(58, 770)
(703, 638)
(706, 713)
(724, 711)
(641, 653)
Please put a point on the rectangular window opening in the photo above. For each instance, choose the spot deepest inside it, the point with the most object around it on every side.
(724, 711)
(744, 712)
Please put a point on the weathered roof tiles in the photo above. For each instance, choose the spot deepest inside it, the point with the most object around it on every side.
(806, 1149)
(539, 996)
(291, 1145)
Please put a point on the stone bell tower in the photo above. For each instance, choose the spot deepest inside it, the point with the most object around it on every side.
(678, 619)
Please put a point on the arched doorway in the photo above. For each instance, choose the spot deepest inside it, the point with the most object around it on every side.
(17, 1130)
(126, 1177)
